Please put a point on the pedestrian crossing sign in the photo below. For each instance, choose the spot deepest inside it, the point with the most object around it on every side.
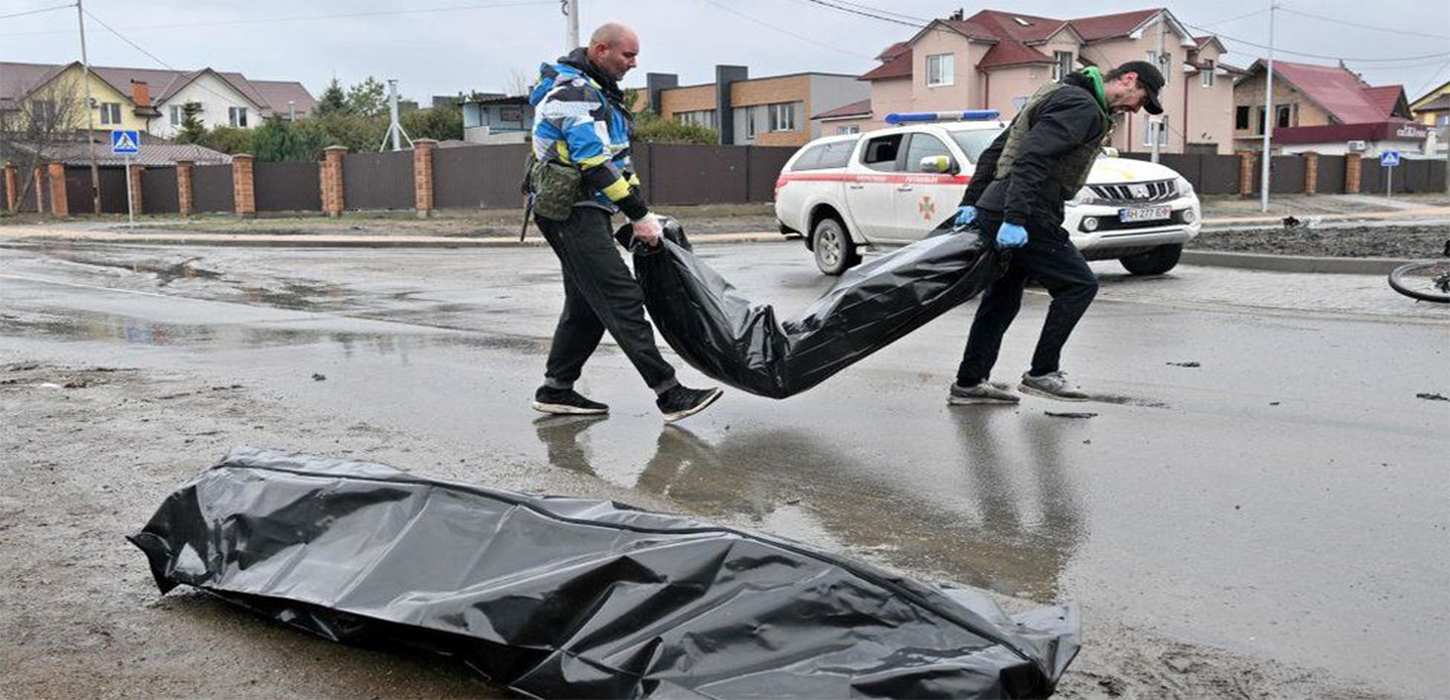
(1390, 159)
(125, 142)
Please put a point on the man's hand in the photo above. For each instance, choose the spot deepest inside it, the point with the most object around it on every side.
(1011, 236)
(965, 216)
(648, 230)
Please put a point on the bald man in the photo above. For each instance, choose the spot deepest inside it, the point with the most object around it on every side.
(581, 121)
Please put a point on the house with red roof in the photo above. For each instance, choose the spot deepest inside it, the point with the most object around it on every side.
(1326, 109)
(996, 60)
(154, 100)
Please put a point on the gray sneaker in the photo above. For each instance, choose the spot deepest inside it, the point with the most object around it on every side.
(1053, 385)
(980, 393)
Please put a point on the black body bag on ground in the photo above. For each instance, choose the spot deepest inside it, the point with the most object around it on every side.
(732, 340)
(569, 597)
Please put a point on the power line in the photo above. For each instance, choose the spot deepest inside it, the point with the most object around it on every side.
(1315, 55)
(1433, 76)
(786, 31)
(36, 12)
(1234, 19)
(304, 18)
(153, 57)
(863, 13)
(878, 10)
(1357, 25)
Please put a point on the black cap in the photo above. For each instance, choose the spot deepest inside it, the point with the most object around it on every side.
(1152, 82)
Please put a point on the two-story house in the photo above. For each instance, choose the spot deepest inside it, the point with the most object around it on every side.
(154, 101)
(1326, 109)
(996, 60)
(745, 111)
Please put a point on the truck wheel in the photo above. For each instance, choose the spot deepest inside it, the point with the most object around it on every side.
(834, 249)
(1154, 261)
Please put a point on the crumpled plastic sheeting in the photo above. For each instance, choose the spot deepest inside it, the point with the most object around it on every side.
(569, 597)
(732, 340)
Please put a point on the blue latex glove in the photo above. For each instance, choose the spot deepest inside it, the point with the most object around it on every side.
(965, 216)
(1011, 236)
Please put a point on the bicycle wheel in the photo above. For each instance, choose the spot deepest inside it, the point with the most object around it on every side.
(1427, 281)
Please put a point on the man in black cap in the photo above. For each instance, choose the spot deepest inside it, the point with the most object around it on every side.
(1016, 197)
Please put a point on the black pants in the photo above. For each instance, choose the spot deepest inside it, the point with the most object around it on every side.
(599, 294)
(1051, 259)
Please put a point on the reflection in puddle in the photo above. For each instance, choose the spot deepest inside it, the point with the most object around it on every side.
(1016, 532)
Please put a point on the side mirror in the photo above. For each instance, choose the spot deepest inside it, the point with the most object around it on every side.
(1110, 152)
(935, 164)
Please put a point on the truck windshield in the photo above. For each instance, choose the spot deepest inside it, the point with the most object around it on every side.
(975, 141)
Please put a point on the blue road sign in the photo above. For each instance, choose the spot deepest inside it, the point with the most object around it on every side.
(125, 142)
(1390, 159)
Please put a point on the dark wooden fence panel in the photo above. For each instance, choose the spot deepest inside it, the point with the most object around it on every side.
(1218, 175)
(287, 186)
(113, 191)
(478, 176)
(158, 191)
(1372, 177)
(1415, 176)
(211, 188)
(690, 174)
(378, 180)
(1287, 176)
(764, 165)
(1331, 175)
(78, 191)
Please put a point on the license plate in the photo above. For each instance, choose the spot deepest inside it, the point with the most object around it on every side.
(1144, 214)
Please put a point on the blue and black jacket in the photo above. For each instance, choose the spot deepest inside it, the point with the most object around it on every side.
(580, 119)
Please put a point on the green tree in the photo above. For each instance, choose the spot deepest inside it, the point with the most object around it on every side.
(652, 128)
(439, 123)
(332, 101)
(367, 98)
(280, 140)
(227, 139)
(192, 130)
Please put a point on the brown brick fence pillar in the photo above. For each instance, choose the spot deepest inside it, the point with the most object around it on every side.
(39, 177)
(423, 176)
(12, 188)
(1246, 173)
(243, 194)
(1351, 173)
(1311, 172)
(330, 173)
(185, 199)
(135, 171)
(58, 202)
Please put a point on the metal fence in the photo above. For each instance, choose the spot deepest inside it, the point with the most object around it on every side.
(211, 188)
(671, 174)
(286, 187)
(377, 180)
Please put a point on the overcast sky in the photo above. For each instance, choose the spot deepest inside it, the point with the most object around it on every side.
(463, 45)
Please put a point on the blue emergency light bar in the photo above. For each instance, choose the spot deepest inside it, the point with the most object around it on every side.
(968, 115)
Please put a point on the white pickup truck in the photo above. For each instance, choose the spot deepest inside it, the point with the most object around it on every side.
(891, 187)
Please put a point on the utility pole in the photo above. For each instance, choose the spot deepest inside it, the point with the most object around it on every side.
(1268, 116)
(395, 127)
(570, 8)
(1156, 130)
(90, 118)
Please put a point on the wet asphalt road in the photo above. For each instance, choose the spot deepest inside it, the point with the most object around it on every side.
(1287, 498)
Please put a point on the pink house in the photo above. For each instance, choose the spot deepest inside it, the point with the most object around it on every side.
(995, 60)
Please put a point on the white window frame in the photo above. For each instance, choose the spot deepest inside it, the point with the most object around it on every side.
(782, 116)
(110, 113)
(1150, 127)
(237, 117)
(1061, 64)
(750, 123)
(1161, 61)
(945, 70)
(178, 114)
(849, 129)
(1208, 69)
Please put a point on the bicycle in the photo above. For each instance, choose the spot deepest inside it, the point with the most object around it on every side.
(1426, 281)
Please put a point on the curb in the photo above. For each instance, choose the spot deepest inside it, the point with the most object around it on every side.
(1292, 263)
(324, 241)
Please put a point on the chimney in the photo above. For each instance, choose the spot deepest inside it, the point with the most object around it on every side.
(140, 93)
